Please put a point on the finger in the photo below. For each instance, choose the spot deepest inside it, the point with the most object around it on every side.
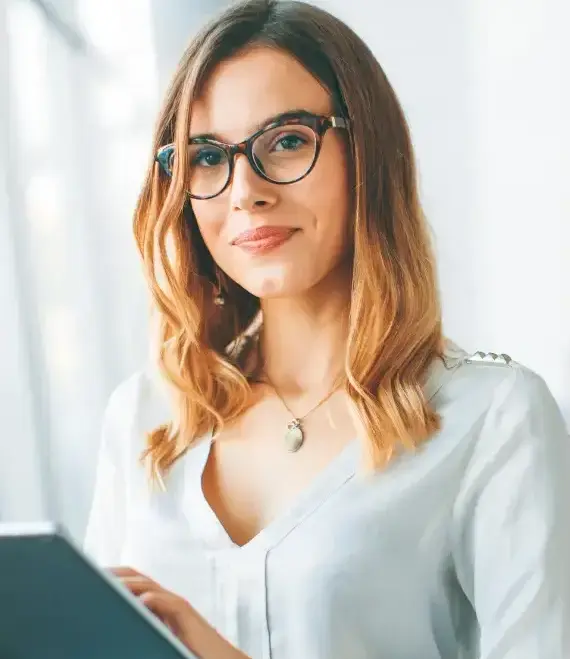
(137, 586)
(159, 601)
(124, 571)
(164, 606)
(132, 578)
(172, 611)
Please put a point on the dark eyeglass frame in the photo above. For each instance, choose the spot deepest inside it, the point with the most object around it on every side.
(318, 123)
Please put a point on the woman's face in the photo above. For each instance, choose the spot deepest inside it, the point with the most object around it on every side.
(306, 223)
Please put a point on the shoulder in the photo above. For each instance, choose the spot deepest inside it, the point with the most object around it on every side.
(508, 408)
(144, 393)
(504, 382)
(138, 405)
(482, 380)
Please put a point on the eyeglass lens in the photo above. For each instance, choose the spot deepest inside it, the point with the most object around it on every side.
(282, 154)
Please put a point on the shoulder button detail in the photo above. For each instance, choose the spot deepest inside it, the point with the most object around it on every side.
(488, 358)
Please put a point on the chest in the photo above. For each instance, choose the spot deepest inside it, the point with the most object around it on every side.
(348, 549)
(252, 477)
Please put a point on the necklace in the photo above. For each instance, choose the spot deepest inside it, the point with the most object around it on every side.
(294, 435)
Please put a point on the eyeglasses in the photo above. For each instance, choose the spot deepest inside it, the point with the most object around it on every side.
(283, 152)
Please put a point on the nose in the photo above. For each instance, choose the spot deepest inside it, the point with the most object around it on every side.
(249, 192)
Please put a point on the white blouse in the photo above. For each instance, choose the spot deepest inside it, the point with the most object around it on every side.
(460, 551)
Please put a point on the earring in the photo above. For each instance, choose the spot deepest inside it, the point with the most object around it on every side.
(219, 299)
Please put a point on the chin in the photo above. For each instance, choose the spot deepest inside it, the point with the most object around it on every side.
(274, 287)
(270, 290)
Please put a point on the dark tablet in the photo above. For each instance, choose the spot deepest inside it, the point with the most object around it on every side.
(56, 604)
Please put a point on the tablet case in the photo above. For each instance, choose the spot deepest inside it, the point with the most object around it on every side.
(56, 604)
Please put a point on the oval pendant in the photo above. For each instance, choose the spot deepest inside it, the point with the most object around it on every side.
(294, 436)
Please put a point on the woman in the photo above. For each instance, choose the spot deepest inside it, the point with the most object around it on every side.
(313, 472)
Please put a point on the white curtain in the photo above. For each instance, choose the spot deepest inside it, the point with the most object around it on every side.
(79, 81)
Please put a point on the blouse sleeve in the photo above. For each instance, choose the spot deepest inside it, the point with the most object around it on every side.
(512, 525)
(105, 528)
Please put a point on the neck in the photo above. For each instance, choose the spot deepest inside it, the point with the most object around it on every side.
(304, 338)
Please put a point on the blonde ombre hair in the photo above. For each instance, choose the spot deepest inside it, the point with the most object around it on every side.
(395, 329)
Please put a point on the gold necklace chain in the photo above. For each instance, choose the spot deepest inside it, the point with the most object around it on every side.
(295, 435)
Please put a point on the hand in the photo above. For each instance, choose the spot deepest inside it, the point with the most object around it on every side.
(179, 616)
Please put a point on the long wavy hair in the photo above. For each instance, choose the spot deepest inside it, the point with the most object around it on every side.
(395, 329)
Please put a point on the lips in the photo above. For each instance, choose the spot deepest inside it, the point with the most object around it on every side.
(263, 239)
(262, 233)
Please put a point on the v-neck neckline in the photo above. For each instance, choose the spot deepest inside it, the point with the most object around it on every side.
(213, 533)
(340, 470)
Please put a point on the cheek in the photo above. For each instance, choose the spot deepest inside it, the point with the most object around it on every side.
(209, 218)
(327, 188)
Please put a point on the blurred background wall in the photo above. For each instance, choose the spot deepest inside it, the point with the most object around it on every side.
(486, 90)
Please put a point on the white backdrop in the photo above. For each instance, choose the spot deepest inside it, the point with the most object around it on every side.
(78, 84)
(485, 90)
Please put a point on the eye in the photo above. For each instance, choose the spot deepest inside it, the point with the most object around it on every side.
(289, 142)
(208, 157)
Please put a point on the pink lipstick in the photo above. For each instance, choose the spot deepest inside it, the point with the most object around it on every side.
(263, 239)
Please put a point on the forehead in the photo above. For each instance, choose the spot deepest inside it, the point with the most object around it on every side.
(246, 89)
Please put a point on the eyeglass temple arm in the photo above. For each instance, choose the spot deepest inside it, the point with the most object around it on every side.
(338, 122)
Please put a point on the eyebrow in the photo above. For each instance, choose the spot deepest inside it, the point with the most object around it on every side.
(257, 126)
